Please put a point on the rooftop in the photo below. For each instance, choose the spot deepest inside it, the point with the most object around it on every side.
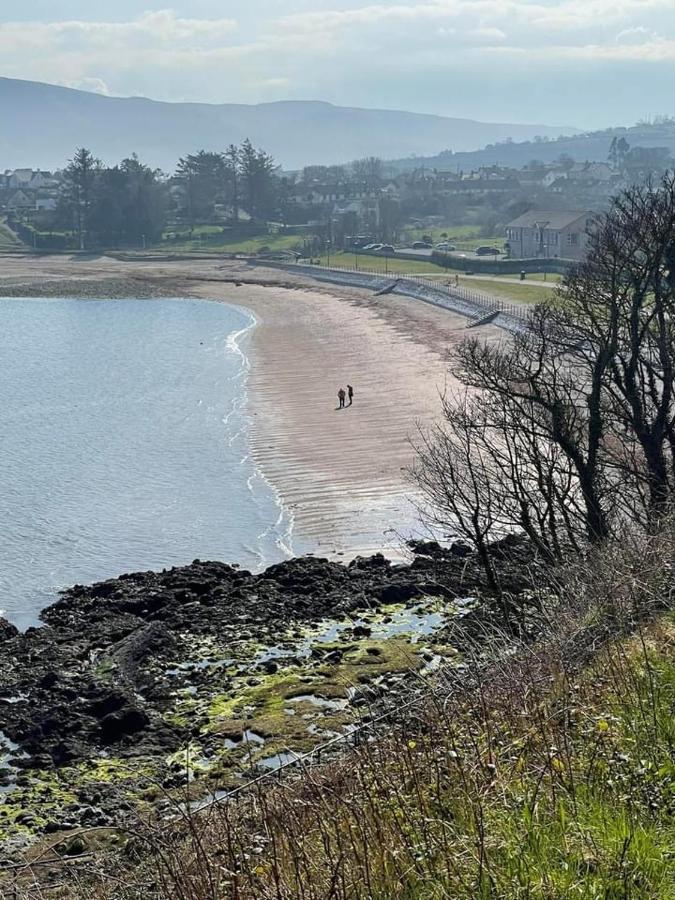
(550, 218)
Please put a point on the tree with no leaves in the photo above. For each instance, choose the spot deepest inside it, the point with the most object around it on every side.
(568, 431)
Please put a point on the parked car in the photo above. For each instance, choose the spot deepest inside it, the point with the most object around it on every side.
(421, 245)
(387, 248)
(445, 245)
(487, 251)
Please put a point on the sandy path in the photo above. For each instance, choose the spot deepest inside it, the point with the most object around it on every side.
(341, 473)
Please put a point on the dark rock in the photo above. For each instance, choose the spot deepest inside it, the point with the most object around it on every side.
(426, 548)
(55, 826)
(109, 702)
(362, 631)
(365, 563)
(96, 673)
(121, 724)
(26, 818)
(399, 593)
(49, 680)
(7, 630)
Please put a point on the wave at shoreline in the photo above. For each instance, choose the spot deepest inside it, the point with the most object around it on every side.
(281, 531)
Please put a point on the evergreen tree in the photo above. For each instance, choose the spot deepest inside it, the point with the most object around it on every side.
(257, 176)
(79, 180)
(231, 160)
(202, 176)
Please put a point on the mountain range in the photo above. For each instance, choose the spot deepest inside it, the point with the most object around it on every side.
(42, 124)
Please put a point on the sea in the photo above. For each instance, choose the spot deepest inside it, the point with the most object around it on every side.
(124, 445)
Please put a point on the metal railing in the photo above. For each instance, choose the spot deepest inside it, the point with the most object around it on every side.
(482, 304)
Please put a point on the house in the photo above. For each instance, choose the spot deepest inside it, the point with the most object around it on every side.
(549, 234)
(594, 172)
(323, 194)
(365, 211)
(474, 185)
(553, 177)
(20, 200)
(19, 179)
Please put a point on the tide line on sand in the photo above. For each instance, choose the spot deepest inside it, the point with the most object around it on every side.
(279, 531)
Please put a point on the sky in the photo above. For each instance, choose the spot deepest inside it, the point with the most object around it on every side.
(583, 63)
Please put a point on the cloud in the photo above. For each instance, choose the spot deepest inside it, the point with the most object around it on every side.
(368, 53)
(153, 31)
(638, 35)
(94, 85)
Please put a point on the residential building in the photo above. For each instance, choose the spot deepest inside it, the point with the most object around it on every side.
(20, 200)
(549, 234)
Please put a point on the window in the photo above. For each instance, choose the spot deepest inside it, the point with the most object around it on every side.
(573, 238)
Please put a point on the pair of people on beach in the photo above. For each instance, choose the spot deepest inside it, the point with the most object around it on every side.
(342, 396)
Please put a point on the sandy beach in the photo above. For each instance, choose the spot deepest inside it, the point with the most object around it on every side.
(341, 473)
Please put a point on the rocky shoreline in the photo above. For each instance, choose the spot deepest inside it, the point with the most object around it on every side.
(196, 678)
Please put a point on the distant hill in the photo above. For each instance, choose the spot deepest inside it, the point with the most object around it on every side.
(41, 124)
(591, 146)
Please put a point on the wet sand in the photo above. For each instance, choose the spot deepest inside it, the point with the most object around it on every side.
(342, 473)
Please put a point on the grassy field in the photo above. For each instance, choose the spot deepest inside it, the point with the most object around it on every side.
(346, 260)
(211, 242)
(516, 291)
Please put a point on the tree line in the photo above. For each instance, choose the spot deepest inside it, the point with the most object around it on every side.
(566, 432)
(130, 203)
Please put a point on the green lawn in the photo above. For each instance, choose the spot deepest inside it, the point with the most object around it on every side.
(382, 264)
(273, 241)
(249, 245)
(515, 291)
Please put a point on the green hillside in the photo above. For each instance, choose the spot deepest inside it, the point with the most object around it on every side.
(593, 146)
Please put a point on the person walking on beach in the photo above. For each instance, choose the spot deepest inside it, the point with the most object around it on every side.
(350, 392)
(341, 398)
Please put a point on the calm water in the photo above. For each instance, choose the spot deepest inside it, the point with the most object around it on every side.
(123, 445)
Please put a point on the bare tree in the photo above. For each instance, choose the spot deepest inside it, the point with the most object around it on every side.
(543, 389)
(570, 429)
(369, 170)
(622, 301)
